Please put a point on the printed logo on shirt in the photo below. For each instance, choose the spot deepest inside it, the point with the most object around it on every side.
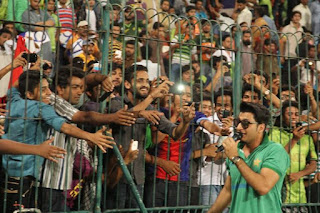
(256, 162)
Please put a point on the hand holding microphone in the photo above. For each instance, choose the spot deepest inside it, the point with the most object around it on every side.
(235, 137)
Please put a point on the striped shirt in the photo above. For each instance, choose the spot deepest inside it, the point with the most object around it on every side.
(183, 54)
(114, 45)
(67, 18)
(59, 175)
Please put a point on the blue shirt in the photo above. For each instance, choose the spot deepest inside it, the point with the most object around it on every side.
(186, 148)
(201, 15)
(29, 123)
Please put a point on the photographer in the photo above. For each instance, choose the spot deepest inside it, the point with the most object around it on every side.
(297, 143)
(213, 171)
(308, 71)
(220, 68)
(260, 81)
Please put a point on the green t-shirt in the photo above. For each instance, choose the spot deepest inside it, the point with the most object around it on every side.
(295, 192)
(52, 32)
(132, 29)
(244, 198)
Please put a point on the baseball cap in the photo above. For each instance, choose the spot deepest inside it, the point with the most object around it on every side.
(87, 42)
(82, 23)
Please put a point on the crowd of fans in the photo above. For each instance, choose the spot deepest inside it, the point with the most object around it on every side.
(167, 73)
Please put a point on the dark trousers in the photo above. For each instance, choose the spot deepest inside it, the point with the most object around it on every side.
(176, 194)
(52, 200)
(14, 193)
(313, 192)
(121, 197)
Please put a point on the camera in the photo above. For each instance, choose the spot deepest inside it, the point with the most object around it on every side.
(228, 64)
(308, 64)
(30, 57)
(177, 89)
(46, 66)
(225, 113)
(196, 104)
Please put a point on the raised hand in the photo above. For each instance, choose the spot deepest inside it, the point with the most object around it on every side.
(101, 140)
(152, 116)
(50, 152)
(124, 117)
(188, 113)
(161, 90)
(131, 155)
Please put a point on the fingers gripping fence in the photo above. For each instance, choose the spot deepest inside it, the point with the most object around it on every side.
(107, 74)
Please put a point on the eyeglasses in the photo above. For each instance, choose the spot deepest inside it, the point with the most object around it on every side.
(244, 123)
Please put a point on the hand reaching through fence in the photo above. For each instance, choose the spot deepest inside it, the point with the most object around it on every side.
(50, 152)
(131, 155)
(124, 117)
(152, 116)
(101, 140)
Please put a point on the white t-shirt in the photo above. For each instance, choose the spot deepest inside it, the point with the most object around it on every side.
(213, 173)
(5, 59)
(245, 16)
(91, 18)
(154, 69)
(305, 15)
(225, 23)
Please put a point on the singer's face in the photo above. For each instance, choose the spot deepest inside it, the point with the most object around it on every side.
(250, 133)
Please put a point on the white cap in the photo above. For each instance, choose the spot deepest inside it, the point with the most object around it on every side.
(82, 23)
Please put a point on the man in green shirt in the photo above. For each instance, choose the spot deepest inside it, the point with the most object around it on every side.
(300, 148)
(257, 166)
(130, 27)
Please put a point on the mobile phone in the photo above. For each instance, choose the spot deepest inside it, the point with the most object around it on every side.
(177, 89)
(134, 145)
(228, 64)
(30, 57)
(298, 124)
(118, 54)
(225, 113)
(196, 104)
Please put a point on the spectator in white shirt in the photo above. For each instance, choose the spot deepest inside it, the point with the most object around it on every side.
(153, 68)
(305, 13)
(242, 13)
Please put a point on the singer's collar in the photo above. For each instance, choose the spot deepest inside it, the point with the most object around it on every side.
(264, 142)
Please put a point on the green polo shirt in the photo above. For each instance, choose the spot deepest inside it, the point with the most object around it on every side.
(244, 198)
(300, 154)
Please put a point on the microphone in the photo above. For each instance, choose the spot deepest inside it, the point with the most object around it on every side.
(236, 136)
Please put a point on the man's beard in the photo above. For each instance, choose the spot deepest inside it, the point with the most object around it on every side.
(141, 97)
(246, 42)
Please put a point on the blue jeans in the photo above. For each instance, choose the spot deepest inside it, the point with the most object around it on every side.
(209, 194)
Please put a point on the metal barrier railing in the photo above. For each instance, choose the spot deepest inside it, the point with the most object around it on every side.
(218, 70)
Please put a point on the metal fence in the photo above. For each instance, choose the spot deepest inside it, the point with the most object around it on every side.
(166, 175)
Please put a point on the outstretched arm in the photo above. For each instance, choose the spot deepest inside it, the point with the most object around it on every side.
(44, 150)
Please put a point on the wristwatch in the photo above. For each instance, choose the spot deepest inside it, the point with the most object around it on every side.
(235, 159)
(267, 92)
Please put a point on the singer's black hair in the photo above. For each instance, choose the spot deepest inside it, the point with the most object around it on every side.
(260, 112)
